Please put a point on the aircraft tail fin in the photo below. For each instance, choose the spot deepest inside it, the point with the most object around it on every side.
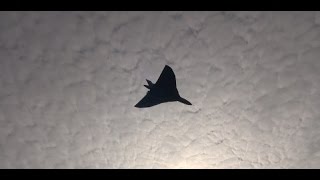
(150, 84)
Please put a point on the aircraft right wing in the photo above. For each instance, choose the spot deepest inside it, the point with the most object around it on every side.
(167, 79)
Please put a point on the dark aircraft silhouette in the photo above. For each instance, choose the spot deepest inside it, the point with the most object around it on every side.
(164, 90)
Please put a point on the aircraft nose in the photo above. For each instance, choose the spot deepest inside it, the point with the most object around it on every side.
(184, 101)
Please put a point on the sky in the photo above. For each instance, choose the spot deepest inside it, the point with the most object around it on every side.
(69, 82)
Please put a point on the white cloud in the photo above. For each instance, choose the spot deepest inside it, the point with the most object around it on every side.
(69, 82)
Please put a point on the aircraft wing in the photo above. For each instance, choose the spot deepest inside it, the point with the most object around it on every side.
(167, 79)
(148, 101)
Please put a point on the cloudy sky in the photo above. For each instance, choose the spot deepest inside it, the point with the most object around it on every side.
(69, 82)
